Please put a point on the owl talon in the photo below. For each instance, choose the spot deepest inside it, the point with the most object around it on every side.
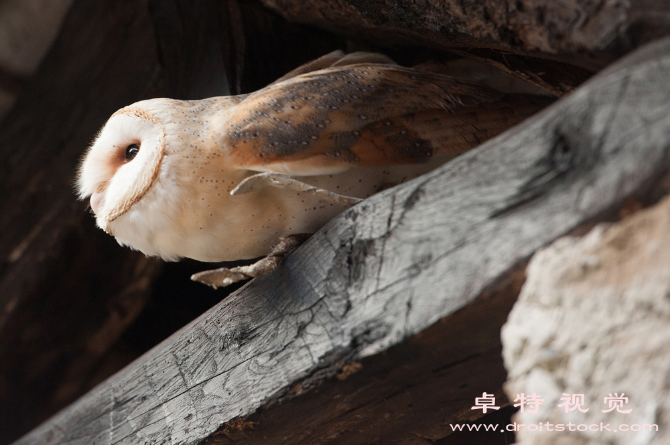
(279, 180)
(224, 276)
(219, 277)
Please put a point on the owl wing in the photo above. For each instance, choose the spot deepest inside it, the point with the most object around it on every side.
(329, 120)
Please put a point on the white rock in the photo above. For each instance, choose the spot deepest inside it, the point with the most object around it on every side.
(593, 318)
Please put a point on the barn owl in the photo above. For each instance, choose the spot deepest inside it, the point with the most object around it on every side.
(227, 178)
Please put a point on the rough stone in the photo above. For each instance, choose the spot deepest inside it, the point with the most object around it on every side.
(593, 318)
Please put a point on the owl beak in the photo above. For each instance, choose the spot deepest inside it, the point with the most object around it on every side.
(97, 202)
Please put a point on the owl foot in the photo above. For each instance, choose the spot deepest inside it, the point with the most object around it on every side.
(223, 276)
(278, 180)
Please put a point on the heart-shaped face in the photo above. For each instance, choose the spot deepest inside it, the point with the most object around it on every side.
(122, 163)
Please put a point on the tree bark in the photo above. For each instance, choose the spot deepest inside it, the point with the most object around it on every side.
(383, 273)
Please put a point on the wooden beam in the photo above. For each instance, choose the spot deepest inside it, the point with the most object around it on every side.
(390, 268)
(513, 35)
(586, 33)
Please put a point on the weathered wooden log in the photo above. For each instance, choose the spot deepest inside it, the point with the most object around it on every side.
(382, 273)
(589, 33)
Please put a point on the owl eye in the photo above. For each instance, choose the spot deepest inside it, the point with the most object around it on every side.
(131, 151)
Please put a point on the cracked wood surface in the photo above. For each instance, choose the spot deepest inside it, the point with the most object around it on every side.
(392, 266)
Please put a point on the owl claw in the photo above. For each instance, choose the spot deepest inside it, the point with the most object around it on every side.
(219, 277)
(224, 276)
(279, 180)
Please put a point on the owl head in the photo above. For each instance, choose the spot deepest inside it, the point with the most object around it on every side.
(123, 173)
(143, 174)
(122, 163)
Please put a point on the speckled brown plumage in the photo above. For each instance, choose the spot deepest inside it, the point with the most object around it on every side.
(367, 114)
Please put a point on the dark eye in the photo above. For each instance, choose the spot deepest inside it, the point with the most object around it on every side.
(131, 151)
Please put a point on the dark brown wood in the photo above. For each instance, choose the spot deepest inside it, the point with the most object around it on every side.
(67, 291)
(589, 34)
(387, 270)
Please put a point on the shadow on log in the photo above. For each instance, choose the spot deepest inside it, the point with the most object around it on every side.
(387, 270)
